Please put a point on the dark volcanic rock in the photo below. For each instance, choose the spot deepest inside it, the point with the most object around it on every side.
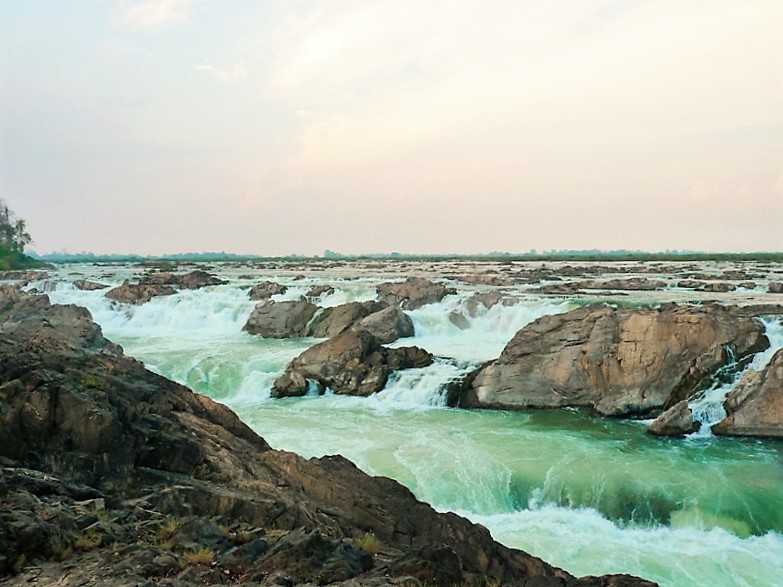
(618, 362)
(676, 421)
(86, 285)
(351, 363)
(272, 319)
(114, 475)
(413, 293)
(755, 405)
(133, 293)
(265, 290)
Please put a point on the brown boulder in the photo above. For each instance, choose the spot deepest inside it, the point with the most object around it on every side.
(676, 421)
(775, 287)
(755, 406)
(619, 362)
(352, 363)
(486, 299)
(413, 293)
(387, 325)
(690, 284)
(193, 280)
(718, 287)
(630, 284)
(85, 285)
(272, 319)
(265, 290)
(318, 291)
(336, 320)
(137, 293)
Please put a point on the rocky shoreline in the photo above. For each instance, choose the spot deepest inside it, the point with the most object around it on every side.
(112, 474)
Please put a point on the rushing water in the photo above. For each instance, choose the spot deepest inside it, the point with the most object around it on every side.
(590, 495)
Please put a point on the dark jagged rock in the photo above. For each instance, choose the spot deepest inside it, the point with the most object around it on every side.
(87, 285)
(676, 421)
(265, 290)
(114, 475)
(352, 363)
(136, 293)
(273, 319)
(619, 362)
(413, 293)
(755, 406)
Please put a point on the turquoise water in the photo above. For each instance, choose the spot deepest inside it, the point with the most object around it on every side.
(590, 495)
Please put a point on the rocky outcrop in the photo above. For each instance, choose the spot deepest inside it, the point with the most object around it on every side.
(626, 284)
(86, 285)
(273, 319)
(676, 421)
(136, 293)
(265, 290)
(194, 280)
(338, 319)
(114, 475)
(616, 361)
(413, 293)
(775, 287)
(22, 276)
(352, 363)
(387, 325)
(690, 284)
(755, 406)
(718, 287)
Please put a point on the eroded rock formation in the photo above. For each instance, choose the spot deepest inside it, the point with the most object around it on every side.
(616, 361)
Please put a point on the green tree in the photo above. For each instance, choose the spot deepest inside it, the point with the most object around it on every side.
(13, 239)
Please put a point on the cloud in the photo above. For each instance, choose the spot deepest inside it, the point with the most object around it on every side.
(235, 72)
(152, 15)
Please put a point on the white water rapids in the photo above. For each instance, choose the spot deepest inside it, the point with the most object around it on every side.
(590, 495)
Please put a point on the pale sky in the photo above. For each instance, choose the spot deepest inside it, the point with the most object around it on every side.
(366, 126)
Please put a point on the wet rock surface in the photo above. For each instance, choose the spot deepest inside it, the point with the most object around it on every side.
(113, 475)
(618, 362)
(272, 319)
(755, 405)
(193, 280)
(265, 290)
(676, 421)
(86, 285)
(137, 293)
(413, 293)
(351, 363)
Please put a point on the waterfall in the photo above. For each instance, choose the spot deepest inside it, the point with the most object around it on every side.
(708, 407)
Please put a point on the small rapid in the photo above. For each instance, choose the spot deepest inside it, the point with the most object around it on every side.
(708, 408)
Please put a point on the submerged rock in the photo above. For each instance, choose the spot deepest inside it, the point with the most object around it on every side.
(352, 363)
(318, 291)
(115, 475)
(619, 362)
(413, 293)
(755, 406)
(273, 319)
(136, 293)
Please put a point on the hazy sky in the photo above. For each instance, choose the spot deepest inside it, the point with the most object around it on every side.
(293, 126)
